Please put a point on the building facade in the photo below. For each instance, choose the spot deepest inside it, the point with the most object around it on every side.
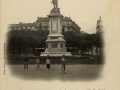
(42, 23)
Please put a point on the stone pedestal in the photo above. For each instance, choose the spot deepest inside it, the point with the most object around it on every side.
(55, 44)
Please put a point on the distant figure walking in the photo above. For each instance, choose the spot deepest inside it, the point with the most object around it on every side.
(38, 63)
(63, 62)
(26, 63)
(48, 62)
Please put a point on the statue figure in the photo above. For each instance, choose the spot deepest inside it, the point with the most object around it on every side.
(55, 3)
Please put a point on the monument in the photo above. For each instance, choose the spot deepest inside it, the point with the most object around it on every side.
(55, 44)
(55, 3)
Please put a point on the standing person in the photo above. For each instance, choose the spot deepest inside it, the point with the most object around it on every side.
(63, 62)
(38, 63)
(26, 62)
(48, 62)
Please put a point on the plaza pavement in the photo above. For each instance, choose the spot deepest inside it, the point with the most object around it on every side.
(73, 72)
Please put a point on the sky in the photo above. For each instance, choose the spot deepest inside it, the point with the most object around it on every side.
(84, 12)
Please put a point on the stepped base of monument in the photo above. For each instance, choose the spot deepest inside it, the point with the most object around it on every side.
(55, 53)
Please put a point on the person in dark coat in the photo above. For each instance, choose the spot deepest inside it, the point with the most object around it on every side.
(26, 63)
(48, 62)
(63, 62)
(38, 63)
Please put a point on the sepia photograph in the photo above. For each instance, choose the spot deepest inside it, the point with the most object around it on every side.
(55, 43)
(60, 42)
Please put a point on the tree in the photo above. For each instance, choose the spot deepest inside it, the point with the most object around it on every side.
(84, 43)
(97, 42)
(71, 39)
(24, 40)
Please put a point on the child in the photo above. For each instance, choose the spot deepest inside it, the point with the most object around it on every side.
(48, 62)
(38, 63)
(26, 63)
(63, 62)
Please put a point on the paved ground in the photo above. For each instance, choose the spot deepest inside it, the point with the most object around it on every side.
(73, 72)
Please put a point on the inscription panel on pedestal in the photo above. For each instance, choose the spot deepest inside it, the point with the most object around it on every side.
(54, 45)
(54, 26)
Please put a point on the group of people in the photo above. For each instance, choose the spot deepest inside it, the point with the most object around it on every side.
(48, 63)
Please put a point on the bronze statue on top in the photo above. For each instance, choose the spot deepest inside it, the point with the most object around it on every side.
(55, 3)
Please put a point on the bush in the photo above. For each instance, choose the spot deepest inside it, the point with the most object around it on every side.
(17, 59)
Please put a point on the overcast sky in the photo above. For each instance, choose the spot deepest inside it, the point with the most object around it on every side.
(84, 12)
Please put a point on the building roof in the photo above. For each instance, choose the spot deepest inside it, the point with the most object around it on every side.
(42, 19)
(66, 19)
(23, 25)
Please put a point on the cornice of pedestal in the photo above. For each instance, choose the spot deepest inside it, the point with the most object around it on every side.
(55, 12)
(55, 35)
(55, 40)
